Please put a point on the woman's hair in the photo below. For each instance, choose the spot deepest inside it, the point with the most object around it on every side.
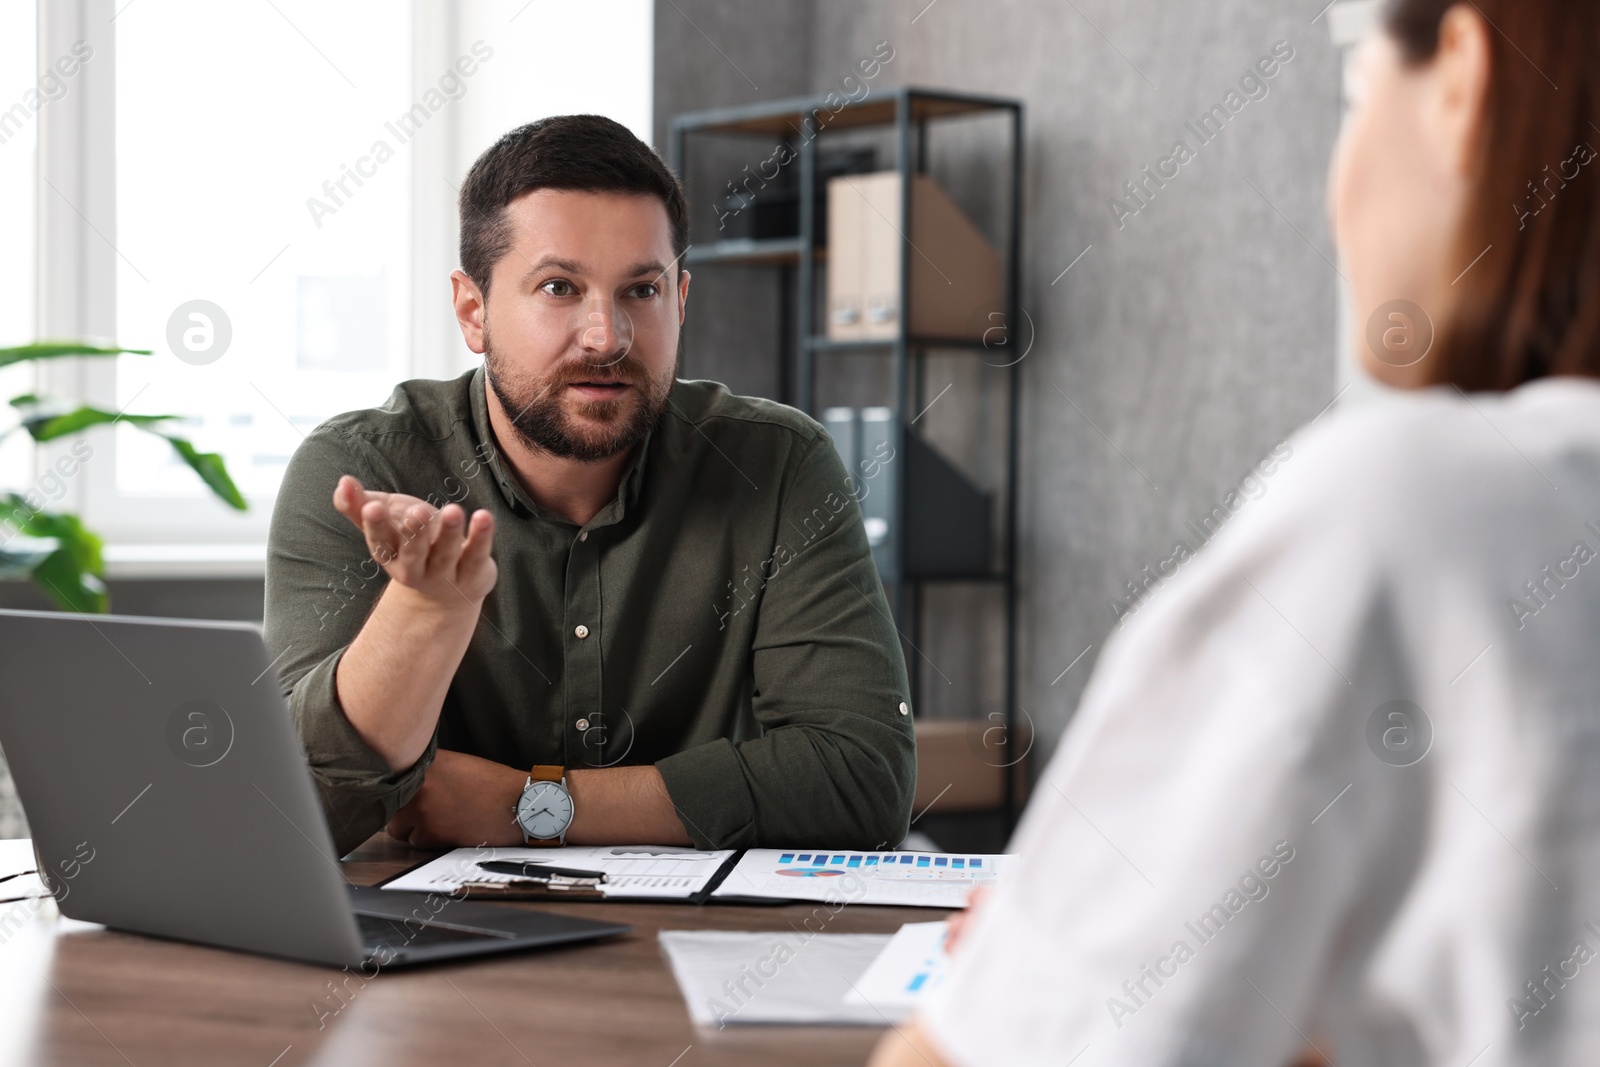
(1531, 306)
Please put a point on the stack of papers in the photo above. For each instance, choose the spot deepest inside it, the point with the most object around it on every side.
(730, 978)
(926, 879)
(633, 872)
(912, 965)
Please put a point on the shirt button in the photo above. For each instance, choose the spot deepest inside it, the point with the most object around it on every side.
(581, 630)
(584, 536)
(903, 709)
(582, 724)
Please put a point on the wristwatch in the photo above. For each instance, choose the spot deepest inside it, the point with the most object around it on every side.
(544, 811)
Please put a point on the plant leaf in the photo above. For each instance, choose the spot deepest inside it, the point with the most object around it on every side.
(212, 471)
(20, 554)
(24, 518)
(70, 574)
(208, 465)
(69, 585)
(10, 506)
(82, 546)
(56, 349)
(48, 427)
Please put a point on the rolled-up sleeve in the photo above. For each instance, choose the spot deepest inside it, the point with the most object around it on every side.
(321, 585)
(836, 764)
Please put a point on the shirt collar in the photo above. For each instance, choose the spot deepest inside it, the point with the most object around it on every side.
(511, 489)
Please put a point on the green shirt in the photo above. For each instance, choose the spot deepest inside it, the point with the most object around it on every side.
(721, 619)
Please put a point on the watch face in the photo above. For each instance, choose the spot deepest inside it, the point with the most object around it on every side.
(545, 810)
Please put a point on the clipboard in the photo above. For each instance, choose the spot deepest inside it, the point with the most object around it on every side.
(530, 890)
(533, 891)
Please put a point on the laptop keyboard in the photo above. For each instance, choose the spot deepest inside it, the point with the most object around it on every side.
(395, 934)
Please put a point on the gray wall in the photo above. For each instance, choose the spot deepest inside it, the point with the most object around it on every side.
(1190, 339)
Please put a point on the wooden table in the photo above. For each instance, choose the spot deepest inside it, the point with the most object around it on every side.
(74, 993)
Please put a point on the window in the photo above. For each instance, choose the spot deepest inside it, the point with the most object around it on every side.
(262, 250)
(279, 221)
(21, 98)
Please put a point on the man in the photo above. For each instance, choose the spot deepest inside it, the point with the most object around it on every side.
(655, 594)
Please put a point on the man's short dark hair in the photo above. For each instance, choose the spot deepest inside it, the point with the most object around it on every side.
(590, 153)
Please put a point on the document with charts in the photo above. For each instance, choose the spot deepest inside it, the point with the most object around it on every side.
(927, 879)
(633, 872)
(912, 965)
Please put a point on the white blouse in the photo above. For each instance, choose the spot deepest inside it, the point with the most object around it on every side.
(1337, 781)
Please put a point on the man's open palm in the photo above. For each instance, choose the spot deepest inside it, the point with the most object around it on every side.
(435, 551)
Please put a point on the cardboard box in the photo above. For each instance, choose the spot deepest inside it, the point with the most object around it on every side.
(961, 765)
(955, 274)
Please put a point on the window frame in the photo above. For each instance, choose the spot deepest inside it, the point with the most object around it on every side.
(76, 292)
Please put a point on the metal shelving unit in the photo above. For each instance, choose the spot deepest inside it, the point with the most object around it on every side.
(908, 112)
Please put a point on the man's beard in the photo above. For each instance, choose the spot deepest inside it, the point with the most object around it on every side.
(536, 406)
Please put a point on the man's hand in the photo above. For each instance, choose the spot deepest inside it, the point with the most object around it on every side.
(464, 800)
(392, 679)
(434, 551)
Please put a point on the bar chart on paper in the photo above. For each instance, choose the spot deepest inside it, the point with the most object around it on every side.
(911, 966)
(927, 879)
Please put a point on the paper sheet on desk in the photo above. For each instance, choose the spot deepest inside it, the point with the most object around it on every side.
(926, 879)
(910, 967)
(729, 977)
(644, 872)
(16, 856)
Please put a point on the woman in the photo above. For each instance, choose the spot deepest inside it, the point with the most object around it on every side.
(1333, 795)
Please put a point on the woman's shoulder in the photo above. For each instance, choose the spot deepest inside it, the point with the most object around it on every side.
(1439, 455)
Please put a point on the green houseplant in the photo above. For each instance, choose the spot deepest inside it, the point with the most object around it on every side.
(55, 549)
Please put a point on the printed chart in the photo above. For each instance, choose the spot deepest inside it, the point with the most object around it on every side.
(927, 879)
(909, 968)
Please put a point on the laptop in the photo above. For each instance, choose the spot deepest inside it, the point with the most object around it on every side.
(168, 795)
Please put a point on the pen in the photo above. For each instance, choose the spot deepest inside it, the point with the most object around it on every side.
(538, 870)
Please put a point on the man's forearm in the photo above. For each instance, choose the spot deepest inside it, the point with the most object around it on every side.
(392, 680)
(622, 806)
(468, 800)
